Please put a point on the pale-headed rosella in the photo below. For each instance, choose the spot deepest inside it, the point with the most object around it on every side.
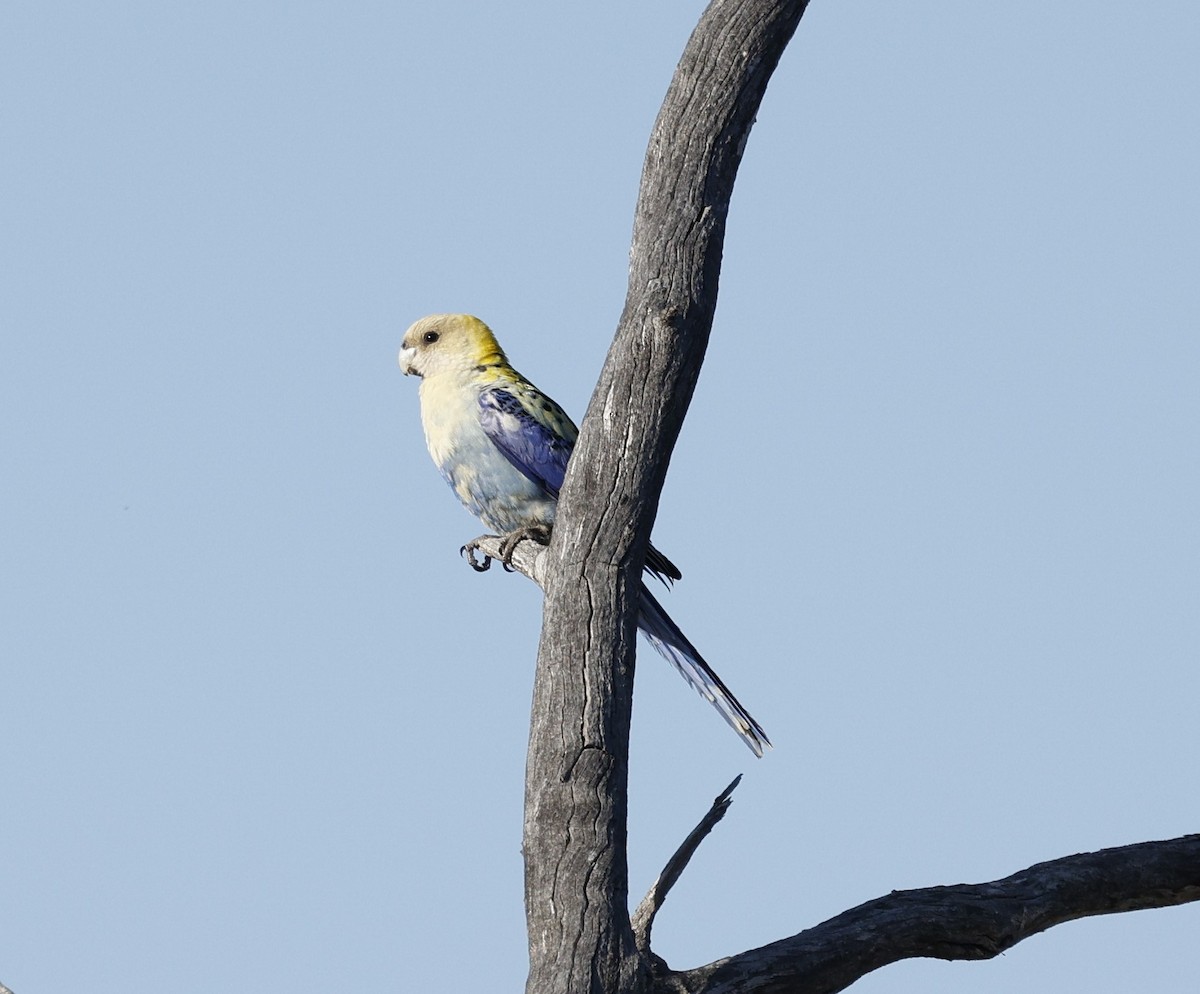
(503, 447)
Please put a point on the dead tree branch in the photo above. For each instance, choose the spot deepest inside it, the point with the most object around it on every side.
(643, 918)
(961, 922)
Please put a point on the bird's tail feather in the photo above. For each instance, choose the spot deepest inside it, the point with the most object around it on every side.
(673, 645)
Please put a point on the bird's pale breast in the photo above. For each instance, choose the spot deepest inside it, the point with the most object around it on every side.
(489, 486)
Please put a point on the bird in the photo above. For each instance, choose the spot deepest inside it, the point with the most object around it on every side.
(502, 445)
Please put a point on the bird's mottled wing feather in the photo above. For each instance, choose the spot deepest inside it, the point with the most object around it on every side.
(528, 441)
(537, 437)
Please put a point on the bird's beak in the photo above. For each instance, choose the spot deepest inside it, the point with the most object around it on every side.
(407, 356)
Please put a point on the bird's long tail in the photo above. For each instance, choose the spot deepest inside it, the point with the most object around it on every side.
(672, 644)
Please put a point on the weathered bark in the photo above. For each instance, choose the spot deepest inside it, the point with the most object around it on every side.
(576, 888)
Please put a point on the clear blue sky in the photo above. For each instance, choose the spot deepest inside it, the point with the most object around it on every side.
(935, 503)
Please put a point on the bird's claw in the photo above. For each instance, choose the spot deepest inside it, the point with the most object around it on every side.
(468, 553)
(508, 544)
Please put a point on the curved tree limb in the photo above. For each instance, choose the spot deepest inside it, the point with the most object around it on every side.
(962, 922)
(576, 880)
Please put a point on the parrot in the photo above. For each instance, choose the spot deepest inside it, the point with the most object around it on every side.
(502, 445)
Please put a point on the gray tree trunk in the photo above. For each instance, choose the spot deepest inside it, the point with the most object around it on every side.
(576, 887)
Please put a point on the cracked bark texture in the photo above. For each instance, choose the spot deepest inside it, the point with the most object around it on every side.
(576, 882)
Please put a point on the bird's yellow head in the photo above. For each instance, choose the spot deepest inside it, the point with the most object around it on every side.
(449, 343)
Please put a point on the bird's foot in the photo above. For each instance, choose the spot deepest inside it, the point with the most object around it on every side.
(508, 544)
(468, 553)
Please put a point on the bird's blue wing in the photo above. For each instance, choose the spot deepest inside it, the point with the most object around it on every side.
(537, 437)
(530, 443)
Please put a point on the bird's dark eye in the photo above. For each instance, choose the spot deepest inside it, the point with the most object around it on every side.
(429, 337)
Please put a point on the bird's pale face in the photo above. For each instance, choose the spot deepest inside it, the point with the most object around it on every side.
(447, 343)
